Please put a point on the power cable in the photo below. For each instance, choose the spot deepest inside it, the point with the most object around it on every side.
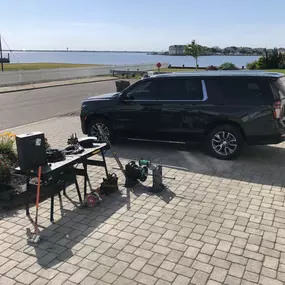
(12, 53)
(16, 60)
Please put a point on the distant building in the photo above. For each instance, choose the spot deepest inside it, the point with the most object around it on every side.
(176, 50)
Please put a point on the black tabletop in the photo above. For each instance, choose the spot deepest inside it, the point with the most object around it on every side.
(70, 160)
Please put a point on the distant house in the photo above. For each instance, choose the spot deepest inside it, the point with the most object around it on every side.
(176, 50)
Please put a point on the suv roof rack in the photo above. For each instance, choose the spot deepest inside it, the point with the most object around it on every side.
(221, 73)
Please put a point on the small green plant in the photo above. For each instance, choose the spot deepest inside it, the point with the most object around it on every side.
(7, 141)
(5, 169)
(7, 156)
(228, 66)
(252, 65)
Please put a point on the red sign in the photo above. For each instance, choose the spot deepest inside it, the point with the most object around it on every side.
(158, 65)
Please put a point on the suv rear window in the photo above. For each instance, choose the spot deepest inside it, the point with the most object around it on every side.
(239, 90)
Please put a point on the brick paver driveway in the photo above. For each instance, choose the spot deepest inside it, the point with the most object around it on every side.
(220, 222)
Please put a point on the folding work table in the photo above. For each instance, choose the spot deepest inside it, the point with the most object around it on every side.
(63, 172)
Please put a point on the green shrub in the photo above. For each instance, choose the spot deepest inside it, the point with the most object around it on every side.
(228, 66)
(252, 65)
(270, 60)
(8, 156)
(5, 169)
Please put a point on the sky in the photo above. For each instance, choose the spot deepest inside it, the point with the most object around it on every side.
(141, 25)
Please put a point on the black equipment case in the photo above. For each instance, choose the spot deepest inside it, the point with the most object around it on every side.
(31, 150)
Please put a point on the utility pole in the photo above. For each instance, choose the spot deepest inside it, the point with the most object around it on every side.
(1, 55)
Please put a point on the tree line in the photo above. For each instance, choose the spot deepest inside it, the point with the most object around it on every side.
(270, 58)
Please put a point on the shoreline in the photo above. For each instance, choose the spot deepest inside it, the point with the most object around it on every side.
(105, 51)
(209, 55)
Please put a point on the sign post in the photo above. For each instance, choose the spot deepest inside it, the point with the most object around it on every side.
(158, 65)
(1, 55)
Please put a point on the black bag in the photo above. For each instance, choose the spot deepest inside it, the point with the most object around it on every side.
(109, 184)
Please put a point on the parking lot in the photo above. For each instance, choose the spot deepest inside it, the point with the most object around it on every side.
(219, 222)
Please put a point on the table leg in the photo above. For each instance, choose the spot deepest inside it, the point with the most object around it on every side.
(85, 178)
(105, 164)
(28, 196)
(64, 188)
(52, 199)
(51, 207)
(78, 190)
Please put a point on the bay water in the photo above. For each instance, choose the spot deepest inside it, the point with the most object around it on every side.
(124, 58)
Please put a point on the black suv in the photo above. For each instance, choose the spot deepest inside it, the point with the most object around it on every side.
(225, 109)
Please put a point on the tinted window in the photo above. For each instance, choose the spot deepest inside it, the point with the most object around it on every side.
(144, 90)
(241, 90)
(213, 90)
(180, 89)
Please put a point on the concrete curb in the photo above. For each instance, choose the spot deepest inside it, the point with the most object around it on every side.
(59, 85)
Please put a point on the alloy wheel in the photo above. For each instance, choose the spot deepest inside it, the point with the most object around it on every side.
(224, 143)
(95, 131)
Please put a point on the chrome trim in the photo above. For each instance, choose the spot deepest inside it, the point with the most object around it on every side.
(204, 90)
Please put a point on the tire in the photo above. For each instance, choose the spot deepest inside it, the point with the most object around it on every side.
(106, 126)
(224, 142)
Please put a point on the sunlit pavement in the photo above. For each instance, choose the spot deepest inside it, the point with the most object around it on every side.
(220, 222)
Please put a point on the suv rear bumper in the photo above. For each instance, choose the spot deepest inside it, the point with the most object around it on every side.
(263, 140)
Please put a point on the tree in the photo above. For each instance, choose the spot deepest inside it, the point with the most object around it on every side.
(271, 59)
(194, 50)
(242, 50)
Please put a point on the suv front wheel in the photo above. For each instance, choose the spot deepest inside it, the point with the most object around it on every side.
(105, 126)
(225, 142)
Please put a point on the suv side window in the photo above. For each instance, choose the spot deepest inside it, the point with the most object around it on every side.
(180, 89)
(144, 90)
(240, 90)
(213, 90)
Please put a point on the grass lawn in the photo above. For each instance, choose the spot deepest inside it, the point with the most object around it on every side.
(178, 70)
(277, 70)
(42, 65)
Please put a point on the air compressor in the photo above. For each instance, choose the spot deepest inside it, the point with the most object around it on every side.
(135, 173)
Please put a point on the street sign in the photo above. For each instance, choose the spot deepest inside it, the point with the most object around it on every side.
(158, 65)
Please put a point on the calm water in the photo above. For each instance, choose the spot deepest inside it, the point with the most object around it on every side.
(117, 58)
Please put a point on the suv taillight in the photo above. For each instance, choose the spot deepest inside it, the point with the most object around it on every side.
(278, 112)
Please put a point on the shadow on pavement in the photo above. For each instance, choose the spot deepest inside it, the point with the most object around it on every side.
(79, 230)
(256, 164)
(91, 232)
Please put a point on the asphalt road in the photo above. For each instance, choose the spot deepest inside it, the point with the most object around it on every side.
(20, 108)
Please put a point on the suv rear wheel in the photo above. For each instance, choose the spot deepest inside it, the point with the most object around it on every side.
(225, 142)
(105, 126)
